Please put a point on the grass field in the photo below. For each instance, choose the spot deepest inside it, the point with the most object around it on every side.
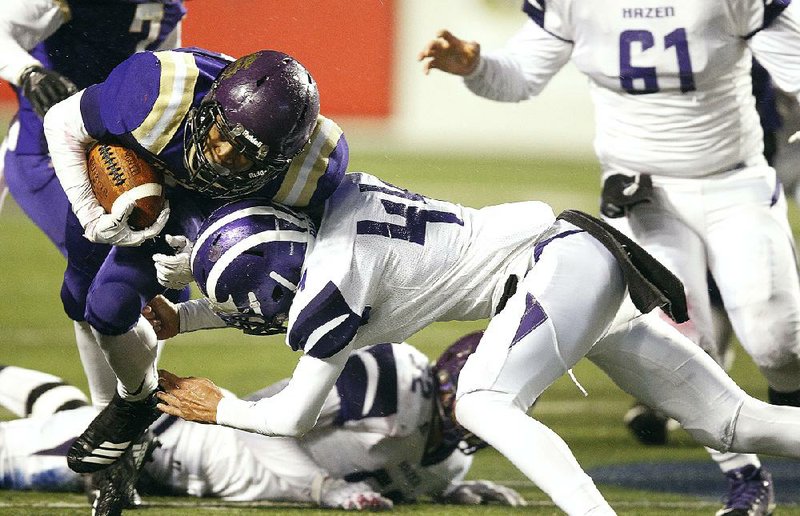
(35, 333)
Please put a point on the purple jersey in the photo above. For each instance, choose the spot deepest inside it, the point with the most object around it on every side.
(98, 36)
(144, 104)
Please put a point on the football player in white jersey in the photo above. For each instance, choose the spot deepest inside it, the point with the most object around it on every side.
(387, 262)
(371, 448)
(678, 138)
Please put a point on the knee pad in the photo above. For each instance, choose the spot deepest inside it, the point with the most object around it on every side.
(113, 308)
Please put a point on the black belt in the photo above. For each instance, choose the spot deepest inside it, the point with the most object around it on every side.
(650, 284)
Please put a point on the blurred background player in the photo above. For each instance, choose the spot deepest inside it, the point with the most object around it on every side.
(48, 50)
(679, 141)
(369, 450)
(218, 129)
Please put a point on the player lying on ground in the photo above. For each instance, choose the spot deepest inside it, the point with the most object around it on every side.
(397, 443)
(386, 263)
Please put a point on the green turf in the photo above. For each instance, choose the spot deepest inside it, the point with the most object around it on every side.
(35, 333)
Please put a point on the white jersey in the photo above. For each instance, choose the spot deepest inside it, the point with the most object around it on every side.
(387, 262)
(373, 428)
(670, 81)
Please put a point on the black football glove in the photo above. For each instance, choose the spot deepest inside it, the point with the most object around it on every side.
(44, 88)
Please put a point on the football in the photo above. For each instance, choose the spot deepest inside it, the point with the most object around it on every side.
(115, 170)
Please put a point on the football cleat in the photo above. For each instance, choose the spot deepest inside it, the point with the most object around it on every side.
(118, 426)
(114, 488)
(647, 425)
(750, 493)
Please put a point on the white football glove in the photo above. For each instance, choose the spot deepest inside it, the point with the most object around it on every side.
(337, 493)
(793, 138)
(112, 228)
(175, 271)
(477, 492)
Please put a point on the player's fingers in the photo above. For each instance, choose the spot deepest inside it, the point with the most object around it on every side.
(167, 409)
(444, 33)
(153, 230)
(176, 242)
(429, 50)
(431, 65)
(123, 207)
(167, 380)
(169, 398)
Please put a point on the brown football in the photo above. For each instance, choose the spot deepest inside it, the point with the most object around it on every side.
(114, 170)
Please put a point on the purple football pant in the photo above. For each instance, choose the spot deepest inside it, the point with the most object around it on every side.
(35, 188)
(107, 286)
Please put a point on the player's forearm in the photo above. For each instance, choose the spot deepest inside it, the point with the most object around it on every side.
(294, 410)
(522, 69)
(67, 140)
(197, 314)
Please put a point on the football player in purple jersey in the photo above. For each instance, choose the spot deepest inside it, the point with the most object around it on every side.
(385, 263)
(372, 448)
(217, 128)
(682, 156)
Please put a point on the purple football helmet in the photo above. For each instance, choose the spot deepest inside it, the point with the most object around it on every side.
(266, 105)
(247, 261)
(446, 371)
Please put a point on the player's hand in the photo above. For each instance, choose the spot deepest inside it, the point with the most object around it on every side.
(477, 492)
(112, 228)
(337, 493)
(162, 314)
(175, 271)
(450, 54)
(794, 137)
(190, 398)
(44, 88)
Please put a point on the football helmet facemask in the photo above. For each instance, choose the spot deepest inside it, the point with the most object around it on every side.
(446, 371)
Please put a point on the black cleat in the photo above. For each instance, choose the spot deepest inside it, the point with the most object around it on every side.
(647, 425)
(114, 488)
(119, 425)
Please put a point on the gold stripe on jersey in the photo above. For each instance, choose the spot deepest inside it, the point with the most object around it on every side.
(176, 90)
(310, 165)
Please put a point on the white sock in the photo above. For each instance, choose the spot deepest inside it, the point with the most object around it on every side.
(729, 461)
(132, 356)
(101, 378)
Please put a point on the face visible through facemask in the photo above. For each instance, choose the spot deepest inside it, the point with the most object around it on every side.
(219, 151)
